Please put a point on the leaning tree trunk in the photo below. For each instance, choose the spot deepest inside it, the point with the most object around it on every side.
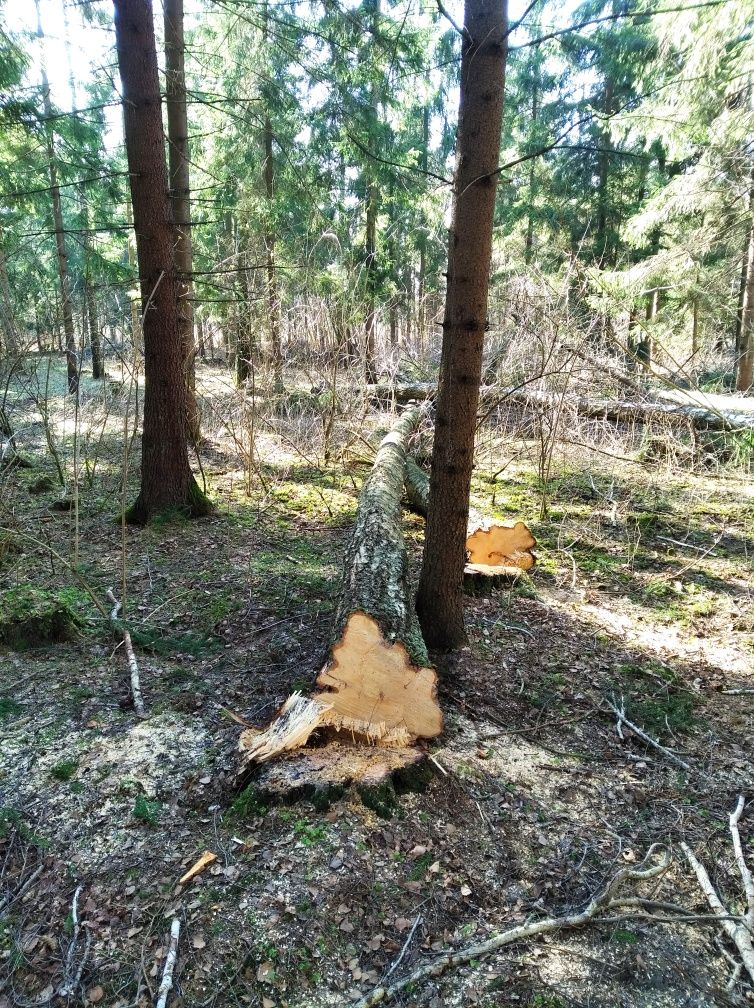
(440, 599)
(167, 483)
(180, 198)
(377, 686)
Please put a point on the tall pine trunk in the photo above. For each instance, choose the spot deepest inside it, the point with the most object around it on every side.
(64, 279)
(98, 370)
(167, 483)
(180, 197)
(482, 86)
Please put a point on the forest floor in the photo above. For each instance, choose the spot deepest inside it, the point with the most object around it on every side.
(643, 591)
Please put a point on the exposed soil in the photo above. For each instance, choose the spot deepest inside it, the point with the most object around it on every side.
(643, 593)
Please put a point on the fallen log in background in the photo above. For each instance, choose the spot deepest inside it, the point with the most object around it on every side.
(687, 406)
(643, 411)
(498, 551)
(377, 687)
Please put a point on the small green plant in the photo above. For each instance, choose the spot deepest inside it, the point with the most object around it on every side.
(147, 811)
(158, 642)
(420, 866)
(247, 805)
(309, 835)
(623, 936)
(11, 819)
(540, 1000)
(659, 716)
(64, 770)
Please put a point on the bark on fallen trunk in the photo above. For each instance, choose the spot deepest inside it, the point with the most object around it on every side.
(622, 411)
(619, 410)
(489, 544)
(377, 686)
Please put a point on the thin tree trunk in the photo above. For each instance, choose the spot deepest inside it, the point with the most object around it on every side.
(482, 85)
(273, 296)
(370, 269)
(10, 333)
(95, 339)
(745, 356)
(58, 226)
(201, 337)
(167, 483)
(604, 249)
(529, 242)
(180, 197)
(695, 327)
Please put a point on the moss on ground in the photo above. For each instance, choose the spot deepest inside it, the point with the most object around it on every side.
(30, 617)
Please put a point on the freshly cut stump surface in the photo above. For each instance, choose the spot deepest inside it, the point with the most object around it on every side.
(377, 688)
(488, 543)
(506, 545)
(367, 675)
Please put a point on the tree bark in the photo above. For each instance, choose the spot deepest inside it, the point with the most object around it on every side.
(370, 270)
(745, 354)
(482, 84)
(272, 292)
(59, 228)
(529, 240)
(180, 198)
(137, 336)
(95, 339)
(10, 333)
(377, 685)
(167, 483)
(273, 295)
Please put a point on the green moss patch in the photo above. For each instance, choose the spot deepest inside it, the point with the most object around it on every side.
(30, 617)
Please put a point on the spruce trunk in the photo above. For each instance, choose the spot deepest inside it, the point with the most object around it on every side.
(180, 198)
(167, 483)
(745, 355)
(440, 599)
(64, 279)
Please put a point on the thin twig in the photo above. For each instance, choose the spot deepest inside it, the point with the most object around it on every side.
(18, 893)
(620, 714)
(604, 900)
(743, 868)
(406, 944)
(739, 933)
(68, 986)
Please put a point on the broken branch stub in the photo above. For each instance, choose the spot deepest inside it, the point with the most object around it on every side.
(377, 687)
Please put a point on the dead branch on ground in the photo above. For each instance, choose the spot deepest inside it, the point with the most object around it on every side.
(607, 899)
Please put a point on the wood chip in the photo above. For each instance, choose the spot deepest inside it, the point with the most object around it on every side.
(206, 859)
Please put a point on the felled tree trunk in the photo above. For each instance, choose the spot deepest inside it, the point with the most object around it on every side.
(377, 687)
(728, 418)
(497, 551)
